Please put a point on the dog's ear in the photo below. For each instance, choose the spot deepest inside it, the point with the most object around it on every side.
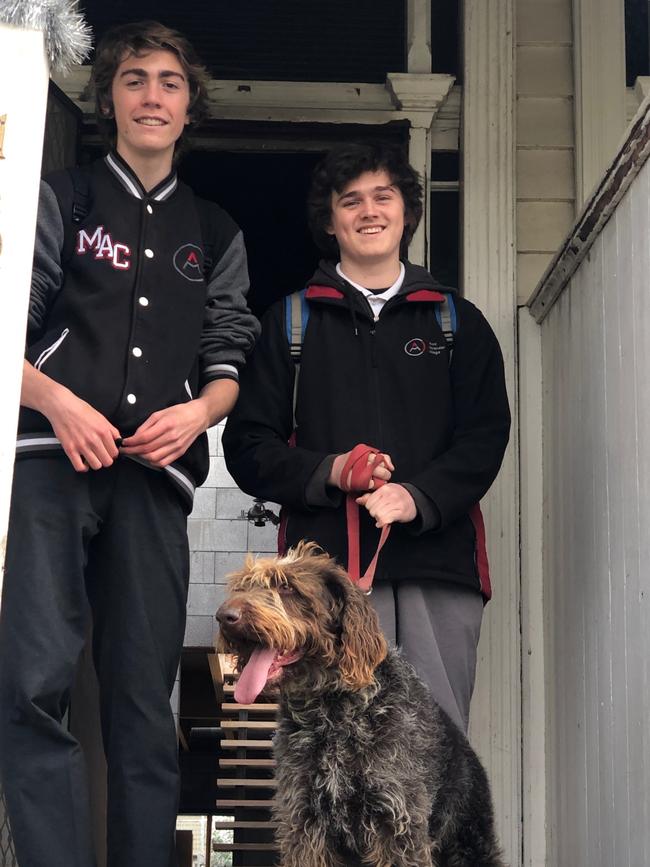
(362, 644)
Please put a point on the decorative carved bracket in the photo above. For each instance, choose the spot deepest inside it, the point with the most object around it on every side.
(424, 94)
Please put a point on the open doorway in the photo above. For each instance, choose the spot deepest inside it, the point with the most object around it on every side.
(266, 194)
(260, 174)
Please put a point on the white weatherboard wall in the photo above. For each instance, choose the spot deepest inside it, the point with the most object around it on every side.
(545, 186)
(596, 377)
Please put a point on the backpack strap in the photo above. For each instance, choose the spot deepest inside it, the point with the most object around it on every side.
(296, 314)
(80, 195)
(72, 190)
(296, 317)
(447, 320)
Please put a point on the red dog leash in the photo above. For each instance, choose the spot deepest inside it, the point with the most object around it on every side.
(355, 479)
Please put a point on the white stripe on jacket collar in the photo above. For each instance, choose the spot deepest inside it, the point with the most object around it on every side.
(132, 184)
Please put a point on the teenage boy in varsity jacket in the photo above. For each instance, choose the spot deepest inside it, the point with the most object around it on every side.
(133, 349)
(375, 368)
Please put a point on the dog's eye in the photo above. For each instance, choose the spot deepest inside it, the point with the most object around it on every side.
(285, 590)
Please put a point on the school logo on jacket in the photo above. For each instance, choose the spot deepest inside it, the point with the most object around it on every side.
(188, 261)
(415, 346)
(104, 247)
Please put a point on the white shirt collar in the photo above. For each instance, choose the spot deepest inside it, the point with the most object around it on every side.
(377, 300)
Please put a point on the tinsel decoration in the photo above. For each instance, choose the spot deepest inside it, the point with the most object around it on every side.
(68, 38)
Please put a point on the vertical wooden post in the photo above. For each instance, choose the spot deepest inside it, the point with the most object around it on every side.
(488, 265)
(418, 60)
(418, 36)
(420, 159)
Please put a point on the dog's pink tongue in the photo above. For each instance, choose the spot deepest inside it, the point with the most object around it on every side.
(254, 675)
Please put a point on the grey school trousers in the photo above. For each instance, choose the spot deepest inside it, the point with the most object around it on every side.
(117, 538)
(437, 625)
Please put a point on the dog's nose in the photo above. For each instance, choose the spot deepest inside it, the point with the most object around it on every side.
(228, 614)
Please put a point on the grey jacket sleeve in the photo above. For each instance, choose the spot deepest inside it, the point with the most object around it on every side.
(47, 272)
(229, 328)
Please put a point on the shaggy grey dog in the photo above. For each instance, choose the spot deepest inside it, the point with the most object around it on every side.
(370, 771)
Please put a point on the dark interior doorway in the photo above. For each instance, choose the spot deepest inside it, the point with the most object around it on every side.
(266, 194)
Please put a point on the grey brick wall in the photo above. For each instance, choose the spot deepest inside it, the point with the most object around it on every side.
(219, 540)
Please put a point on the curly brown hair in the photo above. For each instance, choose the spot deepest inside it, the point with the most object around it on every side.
(346, 162)
(138, 39)
(303, 601)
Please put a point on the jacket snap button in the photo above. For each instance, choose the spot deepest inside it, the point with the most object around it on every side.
(143, 302)
(148, 253)
(137, 351)
(131, 398)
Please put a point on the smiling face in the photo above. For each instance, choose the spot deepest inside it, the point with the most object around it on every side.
(368, 218)
(151, 98)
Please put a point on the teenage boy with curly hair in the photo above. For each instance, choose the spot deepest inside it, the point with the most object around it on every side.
(133, 349)
(375, 368)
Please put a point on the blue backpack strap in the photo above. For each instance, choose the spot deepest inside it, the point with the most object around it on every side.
(296, 314)
(447, 320)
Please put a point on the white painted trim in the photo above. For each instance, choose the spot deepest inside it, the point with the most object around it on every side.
(600, 99)
(532, 593)
(317, 102)
(424, 94)
(301, 95)
(636, 95)
(625, 166)
(421, 96)
(489, 279)
(642, 88)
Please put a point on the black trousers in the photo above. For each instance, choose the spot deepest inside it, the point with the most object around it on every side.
(116, 537)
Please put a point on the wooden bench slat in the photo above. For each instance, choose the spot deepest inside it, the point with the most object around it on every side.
(236, 744)
(254, 708)
(244, 847)
(225, 825)
(247, 763)
(266, 725)
(236, 782)
(243, 802)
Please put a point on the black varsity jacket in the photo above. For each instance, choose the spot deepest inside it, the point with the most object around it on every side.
(128, 323)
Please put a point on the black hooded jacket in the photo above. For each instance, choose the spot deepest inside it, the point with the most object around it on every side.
(388, 383)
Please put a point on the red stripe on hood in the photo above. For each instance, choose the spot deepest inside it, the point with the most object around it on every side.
(425, 295)
(323, 292)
